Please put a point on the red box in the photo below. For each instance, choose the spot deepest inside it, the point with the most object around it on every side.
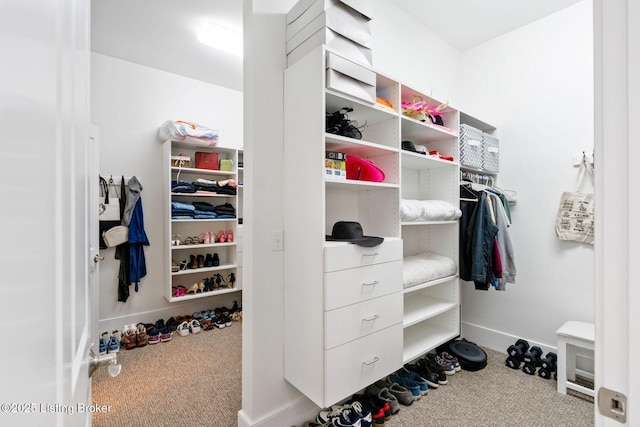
(206, 160)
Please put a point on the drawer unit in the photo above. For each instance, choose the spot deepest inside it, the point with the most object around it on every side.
(340, 256)
(355, 285)
(355, 365)
(357, 320)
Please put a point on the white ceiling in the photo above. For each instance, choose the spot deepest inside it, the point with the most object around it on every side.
(162, 33)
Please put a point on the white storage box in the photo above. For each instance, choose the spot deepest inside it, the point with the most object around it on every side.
(490, 153)
(335, 42)
(350, 78)
(470, 146)
(340, 18)
(361, 6)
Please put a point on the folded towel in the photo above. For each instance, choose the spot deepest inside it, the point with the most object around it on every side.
(428, 210)
(425, 267)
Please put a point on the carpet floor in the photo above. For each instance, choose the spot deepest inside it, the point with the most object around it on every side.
(195, 381)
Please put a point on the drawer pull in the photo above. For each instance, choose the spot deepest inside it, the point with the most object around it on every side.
(371, 319)
(372, 361)
(373, 254)
(375, 282)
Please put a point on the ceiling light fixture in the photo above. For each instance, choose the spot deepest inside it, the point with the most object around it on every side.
(221, 38)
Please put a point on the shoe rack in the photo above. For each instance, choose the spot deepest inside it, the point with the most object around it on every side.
(201, 255)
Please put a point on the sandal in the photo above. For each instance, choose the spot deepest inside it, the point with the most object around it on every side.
(229, 236)
(221, 236)
(440, 156)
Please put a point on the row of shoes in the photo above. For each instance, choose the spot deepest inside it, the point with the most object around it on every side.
(219, 317)
(217, 281)
(196, 261)
(384, 397)
(206, 238)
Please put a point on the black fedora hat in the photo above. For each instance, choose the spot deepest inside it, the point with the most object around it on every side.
(410, 146)
(351, 231)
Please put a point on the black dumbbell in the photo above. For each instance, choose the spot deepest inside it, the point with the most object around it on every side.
(515, 352)
(548, 365)
(531, 360)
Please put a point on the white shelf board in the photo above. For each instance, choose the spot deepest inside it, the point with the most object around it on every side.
(203, 294)
(204, 220)
(209, 245)
(478, 170)
(202, 195)
(419, 339)
(201, 171)
(412, 160)
(362, 111)
(195, 145)
(410, 223)
(429, 284)
(419, 307)
(357, 185)
(355, 147)
(417, 131)
(203, 270)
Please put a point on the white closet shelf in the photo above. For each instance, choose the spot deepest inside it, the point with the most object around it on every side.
(420, 338)
(478, 170)
(204, 294)
(358, 185)
(208, 245)
(204, 220)
(202, 146)
(422, 307)
(417, 131)
(355, 147)
(429, 284)
(410, 223)
(201, 171)
(203, 270)
(203, 195)
(424, 161)
(374, 114)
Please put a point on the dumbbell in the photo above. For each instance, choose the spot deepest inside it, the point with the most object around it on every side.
(515, 352)
(531, 360)
(548, 365)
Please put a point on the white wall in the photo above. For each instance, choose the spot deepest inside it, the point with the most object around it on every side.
(129, 102)
(535, 85)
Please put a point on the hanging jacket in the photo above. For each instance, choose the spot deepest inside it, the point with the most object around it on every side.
(137, 239)
(480, 236)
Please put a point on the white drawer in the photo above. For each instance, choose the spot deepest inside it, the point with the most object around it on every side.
(355, 285)
(357, 320)
(355, 365)
(340, 256)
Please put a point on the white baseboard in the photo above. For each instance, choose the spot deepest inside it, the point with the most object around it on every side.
(295, 413)
(497, 340)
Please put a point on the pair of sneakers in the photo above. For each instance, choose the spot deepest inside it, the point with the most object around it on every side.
(109, 342)
(350, 415)
(410, 380)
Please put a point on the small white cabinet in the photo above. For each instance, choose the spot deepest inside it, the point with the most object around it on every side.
(185, 236)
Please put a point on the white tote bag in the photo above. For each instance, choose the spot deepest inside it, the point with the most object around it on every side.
(575, 215)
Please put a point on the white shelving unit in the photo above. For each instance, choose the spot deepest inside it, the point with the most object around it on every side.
(227, 251)
(431, 309)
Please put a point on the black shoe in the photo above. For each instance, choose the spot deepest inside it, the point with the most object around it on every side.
(431, 378)
(216, 260)
(208, 261)
(435, 368)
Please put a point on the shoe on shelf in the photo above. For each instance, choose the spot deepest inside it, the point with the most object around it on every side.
(208, 261)
(192, 262)
(229, 236)
(232, 279)
(200, 261)
(174, 267)
(193, 289)
(222, 237)
(215, 260)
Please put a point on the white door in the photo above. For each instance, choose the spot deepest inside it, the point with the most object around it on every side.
(45, 255)
(617, 102)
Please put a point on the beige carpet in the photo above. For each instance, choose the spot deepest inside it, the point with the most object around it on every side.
(195, 381)
(188, 381)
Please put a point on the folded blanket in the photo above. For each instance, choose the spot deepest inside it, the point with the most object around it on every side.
(428, 210)
(425, 267)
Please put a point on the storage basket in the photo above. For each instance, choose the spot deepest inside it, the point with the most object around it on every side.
(491, 153)
(470, 146)
(181, 161)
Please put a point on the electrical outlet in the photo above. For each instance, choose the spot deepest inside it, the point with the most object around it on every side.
(278, 240)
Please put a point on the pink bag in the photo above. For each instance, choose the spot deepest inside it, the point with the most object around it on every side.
(363, 170)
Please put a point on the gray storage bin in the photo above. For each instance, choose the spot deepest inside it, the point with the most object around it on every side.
(470, 146)
(490, 153)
